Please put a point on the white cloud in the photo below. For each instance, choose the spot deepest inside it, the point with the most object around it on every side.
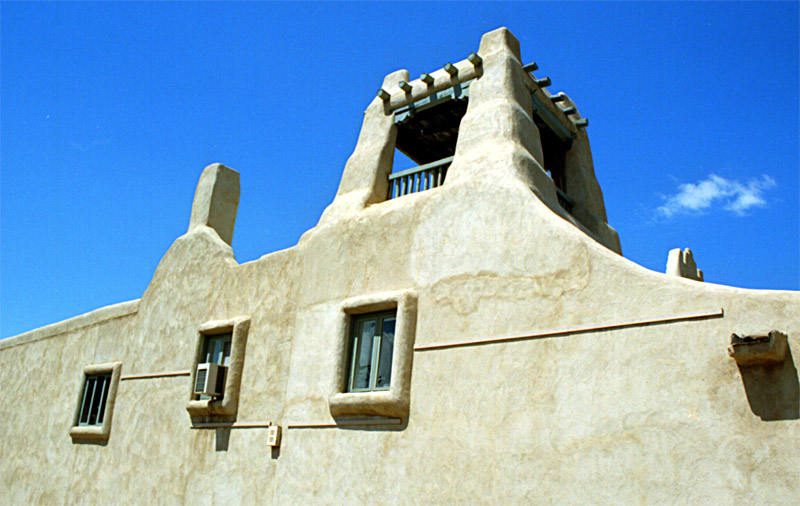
(731, 195)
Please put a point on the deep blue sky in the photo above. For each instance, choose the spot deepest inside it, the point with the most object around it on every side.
(111, 110)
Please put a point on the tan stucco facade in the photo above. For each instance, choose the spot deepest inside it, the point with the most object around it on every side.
(536, 364)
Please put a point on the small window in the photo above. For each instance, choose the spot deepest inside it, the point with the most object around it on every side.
(93, 403)
(374, 352)
(217, 370)
(372, 345)
(217, 351)
(95, 406)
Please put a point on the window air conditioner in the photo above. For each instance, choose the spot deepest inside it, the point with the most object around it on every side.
(210, 379)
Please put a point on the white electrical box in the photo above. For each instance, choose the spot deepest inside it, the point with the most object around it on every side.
(274, 435)
(210, 379)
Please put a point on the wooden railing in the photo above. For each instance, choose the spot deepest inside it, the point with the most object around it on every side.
(431, 175)
(417, 179)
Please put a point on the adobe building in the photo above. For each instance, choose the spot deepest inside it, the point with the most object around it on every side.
(466, 331)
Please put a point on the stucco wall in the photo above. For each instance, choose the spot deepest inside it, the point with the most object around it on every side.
(647, 413)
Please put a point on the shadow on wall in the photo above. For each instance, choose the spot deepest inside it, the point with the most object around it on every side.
(773, 390)
(399, 427)
(90, 442)
(223, 436)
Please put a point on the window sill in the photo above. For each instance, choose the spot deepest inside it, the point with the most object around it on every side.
(210, 408)
(94, 433)
(377, 403)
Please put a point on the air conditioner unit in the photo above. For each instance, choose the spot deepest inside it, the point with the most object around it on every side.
(210, 379)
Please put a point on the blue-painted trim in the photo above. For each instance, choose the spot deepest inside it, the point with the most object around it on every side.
(461, 90)
(421, 168)
(456, 92)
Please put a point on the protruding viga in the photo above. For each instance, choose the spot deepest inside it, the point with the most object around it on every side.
(216, 201)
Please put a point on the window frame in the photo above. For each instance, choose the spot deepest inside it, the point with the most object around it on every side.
(223, 359)
(96, 432)
(219, 409)
(377, 349)
(392, 402)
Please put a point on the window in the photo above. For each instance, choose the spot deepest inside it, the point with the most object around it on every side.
(220, 351)
(372, 344)
(95, 407)
(95, 394)
(216, 350)
(375, 348)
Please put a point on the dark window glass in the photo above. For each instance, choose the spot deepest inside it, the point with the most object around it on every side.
(385, 360)
(93, 401)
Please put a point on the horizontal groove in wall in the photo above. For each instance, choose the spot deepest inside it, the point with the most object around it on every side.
(346, 423)
(574, 330)
(148, 375)
(223, 425)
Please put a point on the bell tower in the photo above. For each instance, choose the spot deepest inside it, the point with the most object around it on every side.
(485, 118)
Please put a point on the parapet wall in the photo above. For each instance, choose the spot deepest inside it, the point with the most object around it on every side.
(92, 318)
